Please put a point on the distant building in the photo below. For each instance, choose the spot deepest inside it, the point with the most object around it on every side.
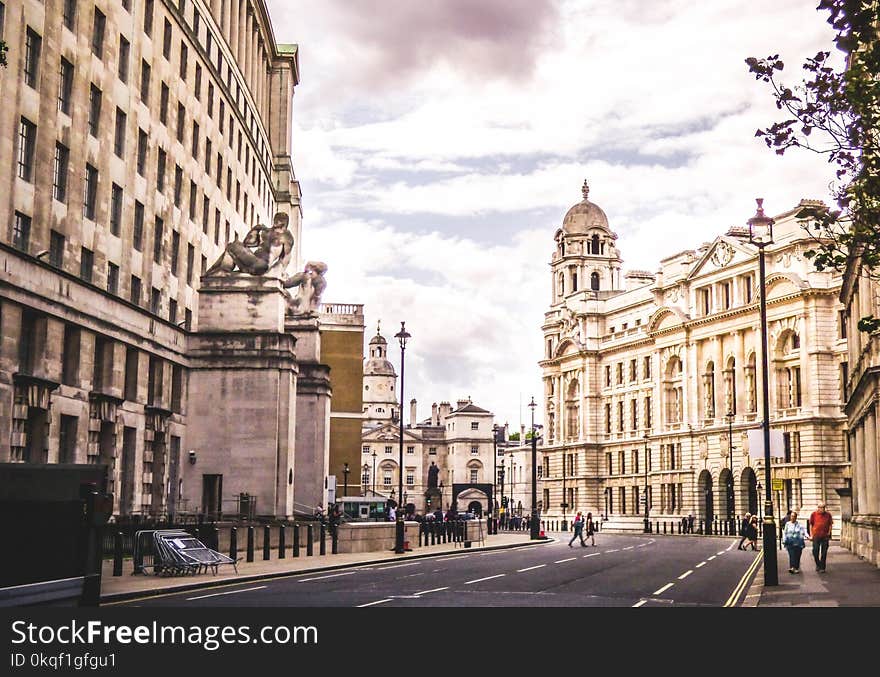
(669, 363)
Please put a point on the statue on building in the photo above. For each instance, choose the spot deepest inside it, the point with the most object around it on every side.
(311, 285)
(433, 472)
(264, 250)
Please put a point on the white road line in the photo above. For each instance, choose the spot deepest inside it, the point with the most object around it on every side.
(378, 601)
(700, 565)
(397, 566)
(721, 553)
(537, 566)
(443, 559)
(488, 578)
(319, 578)
(615, 550)
(709, 559)
(421, 573)
(642, 545)
(560, 561)
(425, 592)
(592, 554)
(228, 592)
(629, 548)
(640, 603)
(685, 574)
(663, 589)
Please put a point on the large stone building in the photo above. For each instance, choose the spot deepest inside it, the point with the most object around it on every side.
(648, 377)
(456, 442)
(138, 139)
(860, 295)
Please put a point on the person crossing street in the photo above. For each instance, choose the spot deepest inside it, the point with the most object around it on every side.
(578, 525)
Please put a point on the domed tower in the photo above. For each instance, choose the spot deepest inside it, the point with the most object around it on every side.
(380, 384)
(586, 257)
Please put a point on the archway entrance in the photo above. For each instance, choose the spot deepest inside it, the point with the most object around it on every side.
(475, 507)
(749, 484)
(725, 482)
(706, 497)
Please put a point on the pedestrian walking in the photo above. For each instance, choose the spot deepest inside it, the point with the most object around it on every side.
(752, 533)
(782, 524)
(793, 540)
(744, 530)
(578, 525)
(819, 530)
(591, 528)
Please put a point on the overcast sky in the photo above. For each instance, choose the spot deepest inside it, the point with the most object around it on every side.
(439, 143)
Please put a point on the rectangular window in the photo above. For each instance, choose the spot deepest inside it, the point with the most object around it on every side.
(67, 435)
(410, 450)
(160, 172)
(69, 13)
(135, 294)
(158, 233)
(222, 114)
(747, 288)
(206, 210)
(98, 33)
(59, 175)
(175, 251)
(726, 296)
(142, 152)
(115, 209)
(32, 48)
(90, 192)
(648, 417)
(181, 119)
(197, 22)
(432, 451)
(172, 310)
(178, 184)
(195, 140)
(187, 319)
(193, 200)
(119, 135)
(633, 414)
(148, 17)
(65, 86)
(646, 367)
(475, 450)
(145, 81)
(844, 380)
(112, 278)
(632, 370)
(70, 356)
(155, 300)
(184, 54)
(607, 417)
(204, 267)
(166, 40)
(475, 425)
(705, 301)
(841, 324)
(176, 388)
(208, 148)
(56, 249)
(198, 83)
(86, 264)
(190, 262)
(124, 50)
(27, 143)
(163, 104)
(619, 373)
(94, 110)
(620, 421)
(137, 239)
(216, 226)
(210, 98)
(607, 375)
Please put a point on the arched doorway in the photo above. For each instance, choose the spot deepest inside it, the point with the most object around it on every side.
(749, 491)
(705, 497)
(725, 481)
(475, 507)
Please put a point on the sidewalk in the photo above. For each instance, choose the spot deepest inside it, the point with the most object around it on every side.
(130, 586)
(848, 582)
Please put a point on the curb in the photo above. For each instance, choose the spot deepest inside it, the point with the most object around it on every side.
(155, 592)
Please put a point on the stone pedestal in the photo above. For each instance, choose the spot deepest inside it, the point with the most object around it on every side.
(242, 393)
(313, 395)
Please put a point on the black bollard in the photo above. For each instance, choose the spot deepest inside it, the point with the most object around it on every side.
(433, 533)
(334, 541)
(233, 544)
(215, 537)
(664, 527)
(267, 541)
(295, 539)
(282, 546)
(323, 545)
(117, 553)
(250, 544)
(310, 540)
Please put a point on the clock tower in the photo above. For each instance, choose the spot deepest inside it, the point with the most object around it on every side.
(380, 385)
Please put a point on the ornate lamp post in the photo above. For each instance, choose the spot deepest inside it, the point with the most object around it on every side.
(374, 474)
(647, 508)
(534, 521)
(731, 502)
(492, 509)
(501, 474)
(364, 477)
(345, 472)
(402, 337)
(760, 235)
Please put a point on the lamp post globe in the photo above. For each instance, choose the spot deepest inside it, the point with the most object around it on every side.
(761, 235)
(402, 336)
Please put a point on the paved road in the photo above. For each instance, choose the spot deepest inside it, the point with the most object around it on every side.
(621, 570)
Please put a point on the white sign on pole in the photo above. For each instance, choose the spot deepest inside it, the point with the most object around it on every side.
(756, 443)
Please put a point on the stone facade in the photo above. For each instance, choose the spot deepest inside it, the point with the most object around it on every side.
(860, 295)
(134, 145)
(669, 363)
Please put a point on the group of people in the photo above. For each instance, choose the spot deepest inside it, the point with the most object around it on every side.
(580, 525)
(794, 536)
(748, 529)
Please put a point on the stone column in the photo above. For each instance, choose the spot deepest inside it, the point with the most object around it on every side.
(860, 488)
(869, 464)
(232, 20)
(242, 34)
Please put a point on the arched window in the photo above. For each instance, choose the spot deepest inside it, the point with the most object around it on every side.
(574, 279)
(595, 244)
(788, 371)
(594, 281)
(730, 387)
(751, 385)
(673, 391)
(560, 284)
(709, 391)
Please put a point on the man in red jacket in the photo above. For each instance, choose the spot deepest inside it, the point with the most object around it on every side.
(819, 527)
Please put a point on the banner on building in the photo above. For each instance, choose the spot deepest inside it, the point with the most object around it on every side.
(756, 443)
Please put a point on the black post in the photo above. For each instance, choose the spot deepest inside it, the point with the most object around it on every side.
(267, 541)
(233, 544)
(310, 540)
(295, 539)
(534, 532)
(250, 544)
(334, 541)
(323, 544)
(282, 546)
(117, 553)
(399, 526)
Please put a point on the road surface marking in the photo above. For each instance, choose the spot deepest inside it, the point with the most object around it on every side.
(488, 578)
(685, 574)
(425, 592)
(537, 566)
(615, 550)
(228, 592)
(397, 566)
(700, 565)
(741, 586)
(592, 554)
(318, 578)
(421, 573)
(379, 601)
(721, 553)
(560, 561)
(709, 559)
(629, 547)
(443, 559)
(642, 545)
(663, 589)
(640, 602)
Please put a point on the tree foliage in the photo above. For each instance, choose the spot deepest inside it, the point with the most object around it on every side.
(3, 49)
(837, 114)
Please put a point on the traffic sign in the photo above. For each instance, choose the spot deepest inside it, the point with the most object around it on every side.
(776, 484)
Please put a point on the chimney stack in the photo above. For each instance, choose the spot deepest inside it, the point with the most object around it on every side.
(435, 417)
(412, 412)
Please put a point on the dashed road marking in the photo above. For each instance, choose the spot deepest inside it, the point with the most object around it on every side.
(615, 550)
(537, 566)
(228, 592)
(488, 578)
(560, 561)
(685, 574)
(663, 589)
(700, 565)
(630, 547)
(709, 559)
(398, 566)
(640, 602)
(378, 601)
(425, 592)
(318, 578)
(592, 554)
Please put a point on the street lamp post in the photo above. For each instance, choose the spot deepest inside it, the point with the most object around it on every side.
(402, 337)
(501, 473)
(731, 502)
(374, 474)
(494, 511)
(345, 472)
(534, 521)
(647, 509)
(364, 476)
(761, 234)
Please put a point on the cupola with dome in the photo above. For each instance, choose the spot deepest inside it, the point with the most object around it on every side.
(380, 403)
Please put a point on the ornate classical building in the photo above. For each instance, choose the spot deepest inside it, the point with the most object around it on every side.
(449, 453)
(649, 377)
(138, 138)
(860, 295)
